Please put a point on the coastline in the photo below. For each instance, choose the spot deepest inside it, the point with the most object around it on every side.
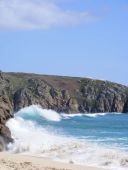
(10, 161)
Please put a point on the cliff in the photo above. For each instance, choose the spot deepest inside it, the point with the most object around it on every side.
(63, 94)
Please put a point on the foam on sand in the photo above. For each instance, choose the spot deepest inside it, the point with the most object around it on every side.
(34, 139)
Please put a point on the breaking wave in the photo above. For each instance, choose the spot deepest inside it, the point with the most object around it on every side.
(35, 133)
(88, 114)
(35, 111)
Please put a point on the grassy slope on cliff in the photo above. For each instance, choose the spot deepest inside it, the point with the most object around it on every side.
(79, 94)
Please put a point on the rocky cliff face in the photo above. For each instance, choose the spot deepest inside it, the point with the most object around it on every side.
(63, 94)
(5, 113)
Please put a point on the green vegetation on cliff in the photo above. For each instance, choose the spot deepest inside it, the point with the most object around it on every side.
(63, 94)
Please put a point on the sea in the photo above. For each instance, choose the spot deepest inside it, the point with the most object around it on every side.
(99, 140)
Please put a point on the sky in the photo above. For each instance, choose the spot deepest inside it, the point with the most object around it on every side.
(85, 38)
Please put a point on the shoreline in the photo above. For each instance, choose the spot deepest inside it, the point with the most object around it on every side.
(9, 161)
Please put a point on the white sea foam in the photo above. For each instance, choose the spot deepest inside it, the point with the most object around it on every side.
(36, 110)
(93, 115)
(67, 116)
(34, 139)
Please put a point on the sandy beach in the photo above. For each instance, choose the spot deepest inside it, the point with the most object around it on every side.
(20, 162)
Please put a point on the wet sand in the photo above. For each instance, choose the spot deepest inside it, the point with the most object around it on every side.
(20, 162)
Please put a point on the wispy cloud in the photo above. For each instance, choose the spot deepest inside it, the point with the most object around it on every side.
(36, 14)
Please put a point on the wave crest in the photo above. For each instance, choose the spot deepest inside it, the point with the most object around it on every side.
(35, 112)
(40, 140)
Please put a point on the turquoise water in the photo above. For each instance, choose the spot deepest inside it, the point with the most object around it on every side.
(93, 139)
(111, 129)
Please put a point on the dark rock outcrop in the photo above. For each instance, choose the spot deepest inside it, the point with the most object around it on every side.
(6, 110)
(63, 94)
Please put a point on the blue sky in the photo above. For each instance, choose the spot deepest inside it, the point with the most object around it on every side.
(87, 38)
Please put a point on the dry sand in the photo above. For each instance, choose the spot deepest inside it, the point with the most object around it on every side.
(20, 162)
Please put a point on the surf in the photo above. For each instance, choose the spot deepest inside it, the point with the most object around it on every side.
(35, 111)
(46, 133)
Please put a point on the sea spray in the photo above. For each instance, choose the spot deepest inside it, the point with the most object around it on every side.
(45, 133)
(36, 111)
